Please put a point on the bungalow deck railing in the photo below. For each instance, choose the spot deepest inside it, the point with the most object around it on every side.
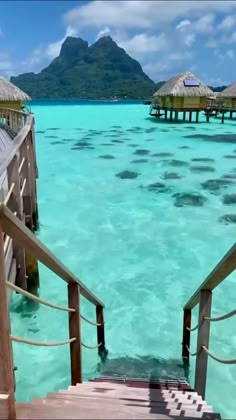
(13, 227)
(13, 118)
(203, 298)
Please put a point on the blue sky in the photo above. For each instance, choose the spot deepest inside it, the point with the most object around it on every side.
(166, 37)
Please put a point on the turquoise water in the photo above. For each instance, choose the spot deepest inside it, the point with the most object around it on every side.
(137, 251)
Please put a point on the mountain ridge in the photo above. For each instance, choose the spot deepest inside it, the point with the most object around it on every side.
(101, 70)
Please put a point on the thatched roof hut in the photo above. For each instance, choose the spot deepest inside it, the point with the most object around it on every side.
(10, 94)
(229, 92)
(184, 84)
(183, 92)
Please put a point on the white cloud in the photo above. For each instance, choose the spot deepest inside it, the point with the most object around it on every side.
(183, 24)
(224, 55)
(167, 65)
(190, 39)
(5, 65)
(227, 23)
(140, 14)
(142, 44)
(204, 24)
(104, 32)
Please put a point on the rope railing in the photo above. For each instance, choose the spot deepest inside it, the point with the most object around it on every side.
(219, 318)
(91, 347)
(46, 303)
(222, 317)
(37, 299)
(192, 329)
(218, 359)
(90, 322)
(191, 354)
(40, 343)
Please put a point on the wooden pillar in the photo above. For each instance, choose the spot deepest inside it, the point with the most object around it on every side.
(202, 340)
(231, 115)
(197, 116)
(32, 180)
(176, 115)
(166, 115)
(16, 205)
(186, 335)
(190, 116)
(184, 115)
(207, 116)
(75, 331)
(25, 175)
(6, 356)
(102, 351)
(223, 118)
(171, 115)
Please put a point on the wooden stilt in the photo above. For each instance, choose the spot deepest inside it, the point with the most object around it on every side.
(190, 116)
(171, 115)
(197, 116)
(223, 118)
(165, 114)
(184, 115)
(176, 115)
(231, 115)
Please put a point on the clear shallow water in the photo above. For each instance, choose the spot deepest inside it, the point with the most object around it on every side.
(135, 249)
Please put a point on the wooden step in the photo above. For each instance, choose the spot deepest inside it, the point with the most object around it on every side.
(133, 394)
(102, 409)
(168, 404)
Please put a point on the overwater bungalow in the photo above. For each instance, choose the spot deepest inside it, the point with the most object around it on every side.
(228, 97)
(183, 93)
(11, 96)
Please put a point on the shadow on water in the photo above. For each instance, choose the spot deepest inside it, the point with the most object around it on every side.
(158, 121)
(25, 307)
(144, 367)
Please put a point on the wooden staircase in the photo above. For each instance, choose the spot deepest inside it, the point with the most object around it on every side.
(109, 398)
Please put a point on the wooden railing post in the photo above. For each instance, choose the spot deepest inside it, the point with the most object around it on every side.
(202, 340)
(6, 357)
(186, 336)
(16, 204)
(101, 333)
(32, 179)
(75, 331)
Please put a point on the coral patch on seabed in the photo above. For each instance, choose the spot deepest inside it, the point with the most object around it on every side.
(171, 175)
(189, 199)
(127, 174)
(228, 219)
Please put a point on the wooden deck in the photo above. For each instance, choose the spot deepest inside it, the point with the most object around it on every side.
(109, 399)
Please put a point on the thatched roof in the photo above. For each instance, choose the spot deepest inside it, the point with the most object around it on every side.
(9, 92)
(175, 87)
(229, 92)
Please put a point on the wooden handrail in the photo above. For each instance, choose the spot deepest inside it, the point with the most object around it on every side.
(19, 232)
(203, 297)
(15, 144)
(222, 270)
(16, 111)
